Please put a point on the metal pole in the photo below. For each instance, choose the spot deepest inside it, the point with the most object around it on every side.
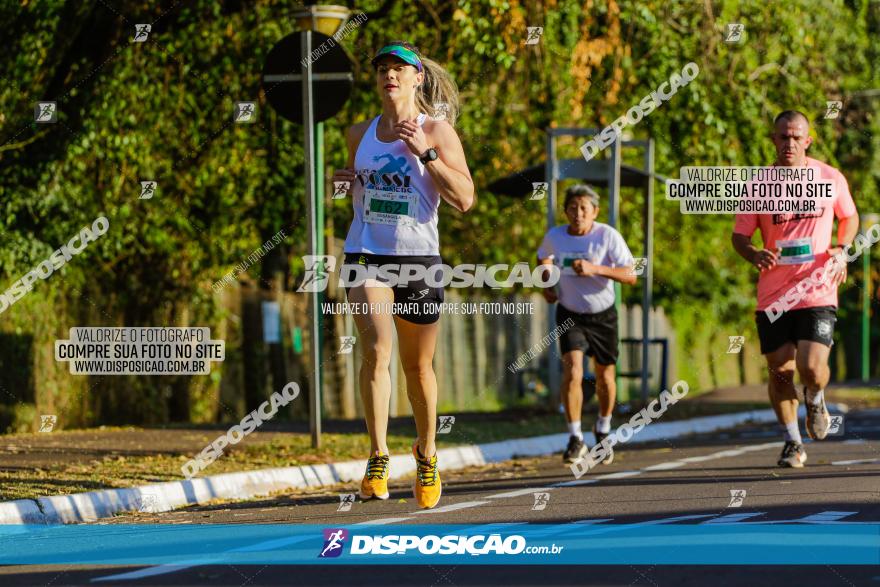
(314, 241)
(318, 316)
(554, 360)
(614, 183)
(613, 213)
(866, 315)
(648, 276)
(319, 186)
(550, 176)
(868, 220)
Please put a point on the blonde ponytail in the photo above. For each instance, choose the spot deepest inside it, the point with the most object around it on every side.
(438, 88)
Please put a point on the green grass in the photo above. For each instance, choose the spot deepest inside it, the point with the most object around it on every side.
(285, 450)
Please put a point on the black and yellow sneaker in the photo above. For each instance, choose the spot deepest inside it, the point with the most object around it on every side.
(427, 487)
(375, 481)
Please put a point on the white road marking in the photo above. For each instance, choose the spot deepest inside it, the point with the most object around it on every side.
(381, 521)
(733, 518)
(665, 466)
(618, 475)
(682, 462)
(699, 459)
(730, 453)
(518, 492)
(857, 462)
(452, 507)
(574, 483)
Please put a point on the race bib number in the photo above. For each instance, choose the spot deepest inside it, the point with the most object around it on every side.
(390, 208)
(567, 261)
(795, 251)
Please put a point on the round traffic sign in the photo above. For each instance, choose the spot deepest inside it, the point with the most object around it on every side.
(332, 79)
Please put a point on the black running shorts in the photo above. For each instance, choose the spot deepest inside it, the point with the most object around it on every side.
(416, 301)
(816, 324)
(595, 334)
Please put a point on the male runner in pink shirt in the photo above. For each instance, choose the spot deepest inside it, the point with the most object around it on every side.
(797, 335)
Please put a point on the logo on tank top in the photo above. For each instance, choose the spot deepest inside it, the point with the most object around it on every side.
(394, 175)
(376, 180)
(389, 194)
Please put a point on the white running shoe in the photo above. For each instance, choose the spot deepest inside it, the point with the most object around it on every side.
(793, 455)
(818, 418)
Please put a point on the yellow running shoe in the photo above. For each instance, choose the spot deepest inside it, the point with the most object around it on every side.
(427, 486)
(375, 481)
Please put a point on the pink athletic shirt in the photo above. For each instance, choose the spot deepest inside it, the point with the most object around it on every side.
(773, 283)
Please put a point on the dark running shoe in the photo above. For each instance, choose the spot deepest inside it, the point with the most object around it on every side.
(609, 452)
(575, 450)
(793, 455)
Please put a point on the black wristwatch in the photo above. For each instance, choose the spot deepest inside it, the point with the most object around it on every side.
(428, 156)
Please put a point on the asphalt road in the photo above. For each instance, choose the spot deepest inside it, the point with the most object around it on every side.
(690, 482)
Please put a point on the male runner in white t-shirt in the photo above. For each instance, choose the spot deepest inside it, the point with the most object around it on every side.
(591, 255)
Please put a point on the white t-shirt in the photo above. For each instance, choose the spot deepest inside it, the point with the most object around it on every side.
(601, 246)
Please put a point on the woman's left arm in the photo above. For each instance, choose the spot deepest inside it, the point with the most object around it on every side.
(449, 171)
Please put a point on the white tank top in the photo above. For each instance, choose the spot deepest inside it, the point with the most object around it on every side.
(395, 200)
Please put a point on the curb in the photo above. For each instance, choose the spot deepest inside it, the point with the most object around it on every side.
(162, 497)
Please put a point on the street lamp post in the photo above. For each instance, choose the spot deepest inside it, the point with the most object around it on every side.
(868, 220)
(327, 20)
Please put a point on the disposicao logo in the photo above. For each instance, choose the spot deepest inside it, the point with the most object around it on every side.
(449, 544)
(404, 544)
(334, 539)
